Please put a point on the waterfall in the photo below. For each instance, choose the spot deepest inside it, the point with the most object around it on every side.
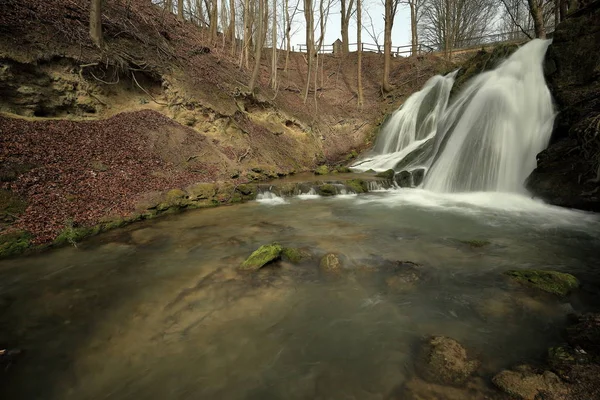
(486, 139)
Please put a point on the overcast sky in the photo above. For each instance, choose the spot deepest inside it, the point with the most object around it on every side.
(400, 32)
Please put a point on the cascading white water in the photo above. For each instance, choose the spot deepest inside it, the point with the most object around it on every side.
(487, 138)
(413, 124)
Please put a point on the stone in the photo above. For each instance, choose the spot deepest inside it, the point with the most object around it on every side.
(402, 280)
(330, 263)
(327, 190)
(389, 174)
(558, 283)
(567, 171)
(343, 169)
(262, 256)
(474, 389)
(444, 361)
(294, 255)
(321, 170)
(525, 384)
(417, 176)
(585, 333)
(403, 179)
(357, 185)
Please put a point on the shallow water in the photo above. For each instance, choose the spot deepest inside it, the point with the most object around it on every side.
(158, 310)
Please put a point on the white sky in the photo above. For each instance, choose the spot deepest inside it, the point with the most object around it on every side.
(400, 31)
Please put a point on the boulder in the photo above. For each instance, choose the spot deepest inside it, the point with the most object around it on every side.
(558, 283)
(294, 255)
(327, 189)
(262, 256)
(389, 174)
(403, 179)
(444, 361)
(330, 263)
(525, 384)
(417, 176)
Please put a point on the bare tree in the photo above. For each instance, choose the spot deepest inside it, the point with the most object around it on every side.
(274, 46)
(260, 41)
(214, 23)
(359, 53)
(448, 24)
(391, 6)
(232, 25)
(536, 8)
(309, 19)
(373, 34)
(96, 22)
(169, 5)
(415, 8)
(346, 14)
(180, 9)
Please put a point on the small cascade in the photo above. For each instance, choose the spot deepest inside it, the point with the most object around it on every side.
(485, 140)
(268, 197)
(311, 194)
(377, 186)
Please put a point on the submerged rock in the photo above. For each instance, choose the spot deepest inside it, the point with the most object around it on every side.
(403, 179)
(294, 255)
(327, 190)
(330, 263)
(444, 361)
(558, 283)
(389, 174)
(262, 256)
(474, 389)
(523, 383)
(476, 243)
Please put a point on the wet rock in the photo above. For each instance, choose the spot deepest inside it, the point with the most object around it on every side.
(389, 174)
(474, 389)
(294, 255)
(403, 179)
(563, 358)
(330, 263)
(327, 190)
(342, 169)
(558, 283)
(321, 170)
(405, 276)
(444, 361)
(585, 333)
(357, 185)
(417, 176)
(262, 256)
(202, 191)
(525, 384)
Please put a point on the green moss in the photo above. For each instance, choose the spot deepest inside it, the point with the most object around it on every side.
(558, 283)
(293, 255)
(343, 169)
(476, 243)
(389, 174)
(249, 192)
(330, 263)
(322, 170)
(327, 190)
(357, 185)
(14, 243)
(262, 256)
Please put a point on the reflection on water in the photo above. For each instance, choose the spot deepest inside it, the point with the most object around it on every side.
(158, 310)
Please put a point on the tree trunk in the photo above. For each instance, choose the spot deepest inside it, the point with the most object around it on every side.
(310, 42)
(288, 28)
(232, 26)
(247, 33)
(180, 10)
(359, 52)
(346, 11)
(258, 46)
(387, 46)
(274, 47)
(538, 19)
(96, 22)
(169, 5)
(214, 23)
(199, 13)
(413, 27)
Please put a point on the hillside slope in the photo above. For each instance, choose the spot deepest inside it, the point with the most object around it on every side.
(90, 136)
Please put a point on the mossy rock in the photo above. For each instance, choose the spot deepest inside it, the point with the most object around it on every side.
(321, 170)
(294, 255)
(327, 190)
(357, 185)
(389, 174)
(248, 191)
(342, 169)
(14, 243)
(476, 243)
(202, 191)
(73, 235)
(262, 256)
(444, 361)
(330, 263)
(558, 283)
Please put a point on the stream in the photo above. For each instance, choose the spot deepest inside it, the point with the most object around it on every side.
(158, 310)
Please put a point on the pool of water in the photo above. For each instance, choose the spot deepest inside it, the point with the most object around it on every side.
(158, 310)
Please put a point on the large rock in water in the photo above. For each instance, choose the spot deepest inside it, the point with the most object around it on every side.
(262, 256)
(558, 283)
(444, 361)
(568, 171)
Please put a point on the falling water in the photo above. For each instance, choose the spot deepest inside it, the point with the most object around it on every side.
(486, 139)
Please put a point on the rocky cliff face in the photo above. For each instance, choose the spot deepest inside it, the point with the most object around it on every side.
(568, 172)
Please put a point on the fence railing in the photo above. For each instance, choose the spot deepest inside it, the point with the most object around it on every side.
(422, 48)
